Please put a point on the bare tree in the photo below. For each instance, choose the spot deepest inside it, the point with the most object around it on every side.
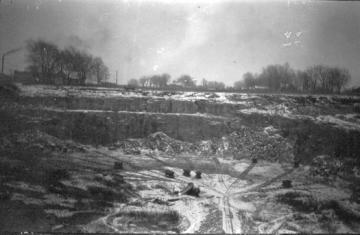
(238, 85)
(144, 81)
(100, 70)
(214, 85)
(327, 79)
(343, 78)
(164, 79)
(302, 81)
(43, 58)
(133, 82)
(186, 81)
(67, 62)
(204, 83)
(249, 80)
(277, 77)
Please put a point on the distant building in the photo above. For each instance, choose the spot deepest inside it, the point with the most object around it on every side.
(60, 78)
(261, 87)
(4, 77)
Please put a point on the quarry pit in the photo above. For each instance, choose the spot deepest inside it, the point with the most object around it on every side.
(60, 147)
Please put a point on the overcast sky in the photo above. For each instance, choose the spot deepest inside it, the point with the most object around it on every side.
(216, 40)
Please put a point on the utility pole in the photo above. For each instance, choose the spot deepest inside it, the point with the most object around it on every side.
(2, 63)
(116, 77)
(5, 54)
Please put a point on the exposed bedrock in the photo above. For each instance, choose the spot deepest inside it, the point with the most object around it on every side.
(136, 104)
(310, 138)
(107, 127)
(107, 120)
(97, 127)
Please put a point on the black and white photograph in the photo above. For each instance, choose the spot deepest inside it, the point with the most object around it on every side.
(179, 116)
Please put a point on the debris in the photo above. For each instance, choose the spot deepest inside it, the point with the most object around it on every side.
(161, 202)
(161, 141)
(191, 190)
(325, 166)
(212, 95)
(169, 173)
(112, 147)
(297, 164)
(286, 184)
(173, 199)
(118, 165)
(4, 195)
(56, 227)
(53, 177)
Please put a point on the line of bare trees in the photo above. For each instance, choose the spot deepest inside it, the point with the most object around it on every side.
(318, 78)
(156, 81)
(277, 78)
(182, 82)
(52, 65)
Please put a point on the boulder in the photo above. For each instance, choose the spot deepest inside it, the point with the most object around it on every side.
(118, 166)
(186, 172)
(169, 173)
(198, 174)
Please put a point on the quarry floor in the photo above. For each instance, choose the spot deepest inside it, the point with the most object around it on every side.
(250, 203)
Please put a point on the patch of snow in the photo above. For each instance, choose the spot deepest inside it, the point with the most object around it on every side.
(323, 192)
(279, 109)
(241, 205)
(338, 122)
(25, 199)
(60, 213)
(204, 115)
(82, 182)
(26, 186)
(193, 211)
(55, 199)
(271, 131)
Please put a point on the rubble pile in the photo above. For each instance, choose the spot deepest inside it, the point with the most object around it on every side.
(162, 142)
(248, 143)
(129, 146)
(325, 167)
(245, 143)
(157, 141)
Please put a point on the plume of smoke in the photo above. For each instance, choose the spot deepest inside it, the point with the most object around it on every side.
(12, 51)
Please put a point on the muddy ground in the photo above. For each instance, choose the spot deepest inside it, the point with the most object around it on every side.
(78, 159)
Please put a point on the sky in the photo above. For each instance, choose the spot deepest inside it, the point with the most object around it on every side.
(211, 39)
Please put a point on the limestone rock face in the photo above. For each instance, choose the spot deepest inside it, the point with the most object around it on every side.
(108, 127)
(137, 104)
